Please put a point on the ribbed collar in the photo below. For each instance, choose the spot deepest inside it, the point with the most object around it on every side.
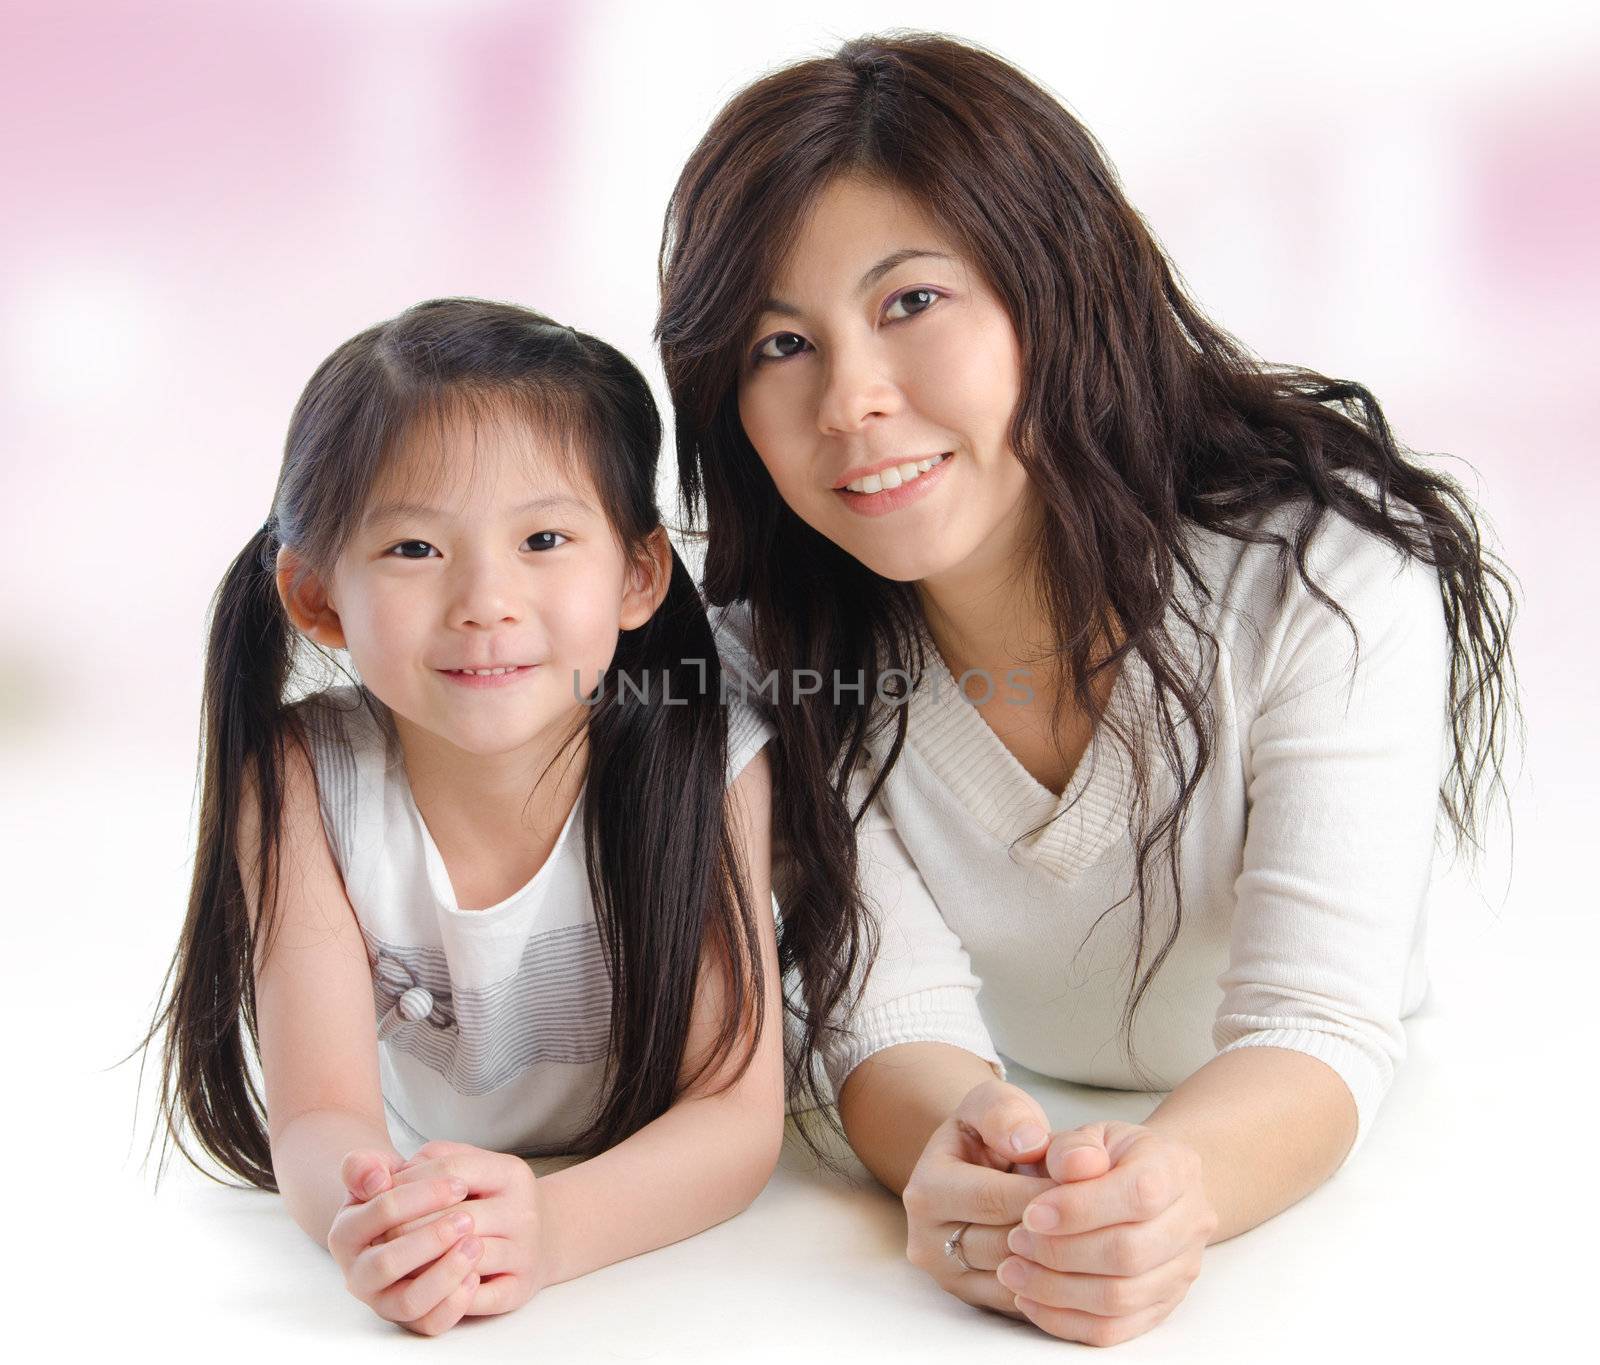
(1079, 826)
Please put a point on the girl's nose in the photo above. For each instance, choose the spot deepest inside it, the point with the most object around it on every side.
(856, 389)
(486, 595)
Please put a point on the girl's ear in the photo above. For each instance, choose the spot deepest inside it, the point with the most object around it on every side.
(305, 599)
(647, 581)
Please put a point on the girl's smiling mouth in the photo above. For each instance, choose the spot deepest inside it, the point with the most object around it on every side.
(490, 677)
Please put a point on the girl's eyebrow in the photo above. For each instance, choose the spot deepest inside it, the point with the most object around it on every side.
(883, 267)
(394, 510)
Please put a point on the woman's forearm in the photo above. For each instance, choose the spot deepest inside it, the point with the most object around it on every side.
(892, 1102)
(306, 1155)
(700, 1163)
(1270, 1126)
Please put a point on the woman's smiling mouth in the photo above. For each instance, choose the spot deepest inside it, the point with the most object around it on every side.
(894, 486)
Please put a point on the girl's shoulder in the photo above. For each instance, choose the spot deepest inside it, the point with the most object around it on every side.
(347, 715)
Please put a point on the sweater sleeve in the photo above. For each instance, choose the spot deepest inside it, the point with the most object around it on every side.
(920, 987)
(1343, 765)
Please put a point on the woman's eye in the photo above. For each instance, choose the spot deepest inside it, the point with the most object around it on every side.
(780, 347)
(545, 537)
(406, 544)
(915, 301)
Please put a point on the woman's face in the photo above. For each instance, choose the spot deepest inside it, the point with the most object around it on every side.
(883, 355)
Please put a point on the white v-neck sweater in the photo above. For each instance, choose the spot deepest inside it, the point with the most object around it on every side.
(1304, 862)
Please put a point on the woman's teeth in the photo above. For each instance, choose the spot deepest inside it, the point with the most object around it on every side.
(486, 672)
(894, 476)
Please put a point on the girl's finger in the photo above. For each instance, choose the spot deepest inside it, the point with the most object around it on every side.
(1125, 1249)
(1071, 1325)
(441, 1319)
(497, 1294)
(367, 1172)
(410, 1300)
(1136, 1190)
(358, 1226)
(384, 1263)
(481, 1170)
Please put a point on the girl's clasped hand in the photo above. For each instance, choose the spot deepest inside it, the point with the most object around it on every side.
(452, 1233)
(1094, 1234)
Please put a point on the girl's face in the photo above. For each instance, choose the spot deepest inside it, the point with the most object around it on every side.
(883, 354)
(496, 558)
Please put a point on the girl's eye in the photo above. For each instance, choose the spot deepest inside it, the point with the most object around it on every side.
(779, 347)
(545, 537)
(405, 544)
(916, 301)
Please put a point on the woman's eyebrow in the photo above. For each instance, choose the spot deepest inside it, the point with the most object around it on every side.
(883, 267)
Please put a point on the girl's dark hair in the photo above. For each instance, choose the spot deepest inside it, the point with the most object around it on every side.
(661, 862)
(1138, 420)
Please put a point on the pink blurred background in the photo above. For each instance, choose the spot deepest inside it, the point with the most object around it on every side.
(203, 199)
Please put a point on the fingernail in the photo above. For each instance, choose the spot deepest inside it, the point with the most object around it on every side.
(461, 1223)
(472, 1248)
(1019, 1242)
(1029, 1137)
(1010, 1274)
(458, 1189)
(372, 1184)
(1041, 1218)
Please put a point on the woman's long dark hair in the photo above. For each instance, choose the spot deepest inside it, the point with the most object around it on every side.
(661, 862)
(1138, 420)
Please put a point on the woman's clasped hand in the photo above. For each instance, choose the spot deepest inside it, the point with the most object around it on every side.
(1094, 1234)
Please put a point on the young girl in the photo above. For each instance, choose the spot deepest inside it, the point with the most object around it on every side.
(510, 886)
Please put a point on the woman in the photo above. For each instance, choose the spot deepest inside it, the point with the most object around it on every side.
(1226, 650)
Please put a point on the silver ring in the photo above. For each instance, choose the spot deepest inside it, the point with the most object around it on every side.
(952, 1247)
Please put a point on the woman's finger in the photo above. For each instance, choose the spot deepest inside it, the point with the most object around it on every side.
(982, 1290)
(1079, 1153)
(384, 1263)
(1071, 1325)
(1125, 1249)
(984, 1246)
(447, 1314)
(1008, 1121)
(359, 1225)
(410, 1300)
(945, 1189)
(1107, 1296)
(1135, 1190)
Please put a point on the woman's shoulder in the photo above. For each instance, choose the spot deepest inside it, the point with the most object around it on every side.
(1251, 582)
(742, 692)
(1276, 625)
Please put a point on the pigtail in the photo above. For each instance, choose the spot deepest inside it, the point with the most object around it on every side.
(663, 864)
(208, 1096)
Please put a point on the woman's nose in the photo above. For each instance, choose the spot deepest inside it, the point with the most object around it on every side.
(857, 388)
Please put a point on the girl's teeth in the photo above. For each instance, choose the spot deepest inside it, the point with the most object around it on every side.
(894, 477)
(487, 672)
